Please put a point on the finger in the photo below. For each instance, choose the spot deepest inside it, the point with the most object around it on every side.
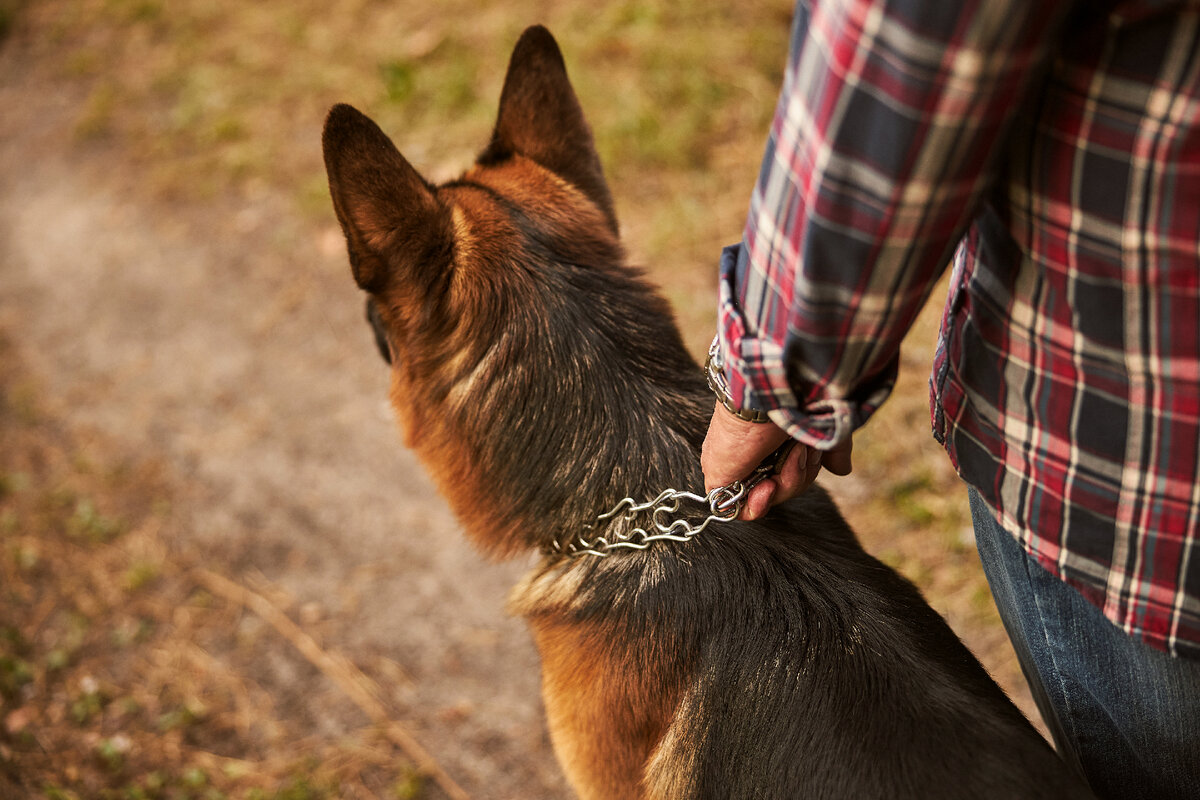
(791, 474)
(734, 447)
(838, 459)
(814, 467)
(758, 500)
(808, 474)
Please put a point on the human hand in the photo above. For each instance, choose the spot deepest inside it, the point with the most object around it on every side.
(734, 447)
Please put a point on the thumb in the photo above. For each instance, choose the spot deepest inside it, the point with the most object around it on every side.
(734, 447)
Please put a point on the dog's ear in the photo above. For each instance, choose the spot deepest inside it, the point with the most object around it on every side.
(540, 118)
(391, 216)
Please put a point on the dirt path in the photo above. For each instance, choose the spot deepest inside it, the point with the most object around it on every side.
(228, 345)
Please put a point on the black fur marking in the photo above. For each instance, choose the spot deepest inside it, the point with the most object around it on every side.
(379, 329)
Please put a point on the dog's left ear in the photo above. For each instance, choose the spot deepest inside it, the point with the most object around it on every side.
(395, 226)
(540, 118)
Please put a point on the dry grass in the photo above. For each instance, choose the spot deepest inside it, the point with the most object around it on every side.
(115, 654)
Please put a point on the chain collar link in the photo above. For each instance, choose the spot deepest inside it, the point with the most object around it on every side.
(723, 504)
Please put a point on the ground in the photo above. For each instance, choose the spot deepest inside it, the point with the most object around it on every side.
(222, 575)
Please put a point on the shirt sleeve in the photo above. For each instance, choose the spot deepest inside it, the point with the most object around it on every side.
(883, 142)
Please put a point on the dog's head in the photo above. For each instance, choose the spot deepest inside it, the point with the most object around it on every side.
(521, 347)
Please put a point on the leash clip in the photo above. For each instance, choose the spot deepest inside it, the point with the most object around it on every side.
(731, 496)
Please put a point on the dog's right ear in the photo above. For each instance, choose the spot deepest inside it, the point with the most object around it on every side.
(391, 216)
(540, 117)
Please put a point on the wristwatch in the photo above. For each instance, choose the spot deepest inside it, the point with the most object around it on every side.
(714, 371)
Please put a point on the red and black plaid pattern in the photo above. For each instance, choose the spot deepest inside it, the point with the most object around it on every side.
(1058, 149)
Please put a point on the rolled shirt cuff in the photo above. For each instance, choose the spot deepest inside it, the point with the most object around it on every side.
(756, 370)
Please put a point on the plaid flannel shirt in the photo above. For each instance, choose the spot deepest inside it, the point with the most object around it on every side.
(1053, 153)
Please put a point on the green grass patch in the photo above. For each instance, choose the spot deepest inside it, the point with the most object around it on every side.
(87, 523)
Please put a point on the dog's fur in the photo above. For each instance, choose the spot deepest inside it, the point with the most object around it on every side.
(541, 381)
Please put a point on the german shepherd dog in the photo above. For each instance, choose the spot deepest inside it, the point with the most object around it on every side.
(541, 380)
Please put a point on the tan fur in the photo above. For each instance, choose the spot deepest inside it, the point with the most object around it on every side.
(605, 720)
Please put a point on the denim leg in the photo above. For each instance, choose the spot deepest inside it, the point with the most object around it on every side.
(1126, 716)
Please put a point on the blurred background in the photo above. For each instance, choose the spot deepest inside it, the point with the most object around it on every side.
(221, 575)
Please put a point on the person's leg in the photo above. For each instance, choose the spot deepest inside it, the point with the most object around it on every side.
(1122, 713)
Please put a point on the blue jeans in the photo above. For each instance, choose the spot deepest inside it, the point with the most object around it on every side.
(1122, 714)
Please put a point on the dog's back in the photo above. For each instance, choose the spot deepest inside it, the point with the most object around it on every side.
(541, 381)
(774, 659)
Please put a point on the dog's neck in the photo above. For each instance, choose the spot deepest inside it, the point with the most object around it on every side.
(603, 411)
(660, 496)
(645, 441)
